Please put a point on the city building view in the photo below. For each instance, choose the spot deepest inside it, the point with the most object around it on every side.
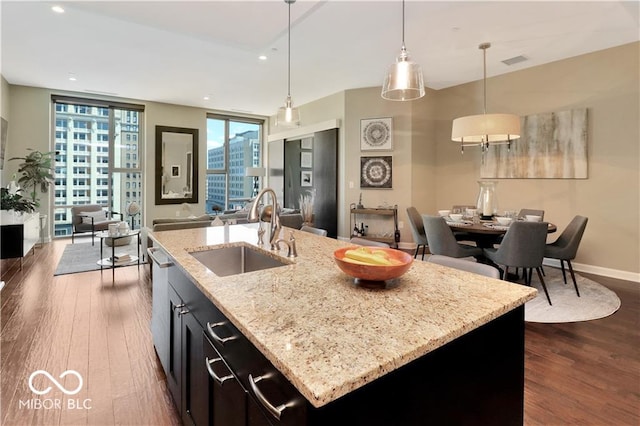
(97, 161)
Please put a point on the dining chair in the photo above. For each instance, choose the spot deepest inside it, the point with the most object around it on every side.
(312, 230)
(459, 233)
(532, 212)
(523, 247)
(441, 240)
(566, 246)
(465, 265)
(365, 242)
(417, 229)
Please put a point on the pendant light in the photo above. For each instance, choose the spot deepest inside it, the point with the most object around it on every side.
(288, 116)
(403, 81)
(481, 130)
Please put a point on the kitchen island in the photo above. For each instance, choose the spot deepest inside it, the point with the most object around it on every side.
(437, 345)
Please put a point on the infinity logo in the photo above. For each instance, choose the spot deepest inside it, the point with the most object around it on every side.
(55, 382)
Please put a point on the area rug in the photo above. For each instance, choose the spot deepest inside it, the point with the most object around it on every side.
(83, 257)
(595, 301)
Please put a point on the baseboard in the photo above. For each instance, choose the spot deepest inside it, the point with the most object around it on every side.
(598, 270)
(406, 245)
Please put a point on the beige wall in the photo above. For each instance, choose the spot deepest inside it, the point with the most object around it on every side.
(29, 127)
(5, 112)
(607, 83)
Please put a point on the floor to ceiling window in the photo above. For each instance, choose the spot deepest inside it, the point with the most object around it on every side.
(98, 158)
(233, 144)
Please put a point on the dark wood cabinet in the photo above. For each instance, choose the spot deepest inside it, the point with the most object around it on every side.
(174, 366)
(227, 403)
(218, 377)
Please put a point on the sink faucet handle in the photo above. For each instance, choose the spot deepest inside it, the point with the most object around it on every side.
(261, 232)
(292, 245)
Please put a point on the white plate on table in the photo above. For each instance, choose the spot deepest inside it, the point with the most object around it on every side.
(496, 226)
(461, 223)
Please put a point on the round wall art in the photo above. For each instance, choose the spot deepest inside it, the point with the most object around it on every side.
(376, 172)
(376, 134)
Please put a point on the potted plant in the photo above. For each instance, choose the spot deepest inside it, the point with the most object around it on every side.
(15, 202)
(36, 171)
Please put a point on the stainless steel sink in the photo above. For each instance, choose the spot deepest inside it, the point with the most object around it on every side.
(225, 261)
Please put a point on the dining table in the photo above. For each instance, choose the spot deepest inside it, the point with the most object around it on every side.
(485, 233)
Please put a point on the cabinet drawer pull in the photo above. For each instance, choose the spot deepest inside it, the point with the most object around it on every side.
(273, 410)
(220, 380)
(151, 251)
(221, 340)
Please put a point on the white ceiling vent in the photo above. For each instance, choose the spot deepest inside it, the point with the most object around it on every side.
(514, 60)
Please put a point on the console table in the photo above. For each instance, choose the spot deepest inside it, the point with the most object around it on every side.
(19, 234)
(393, 237)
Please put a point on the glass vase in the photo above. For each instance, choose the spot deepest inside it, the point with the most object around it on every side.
(487, 199)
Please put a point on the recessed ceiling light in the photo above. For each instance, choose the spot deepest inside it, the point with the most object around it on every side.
(262, 57)
(206, 98)
(72, 77)
(57, 9)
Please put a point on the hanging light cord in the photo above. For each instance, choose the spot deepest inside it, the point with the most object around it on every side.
(484, 47)
(403, 47)
(484, 94)
(289, 53)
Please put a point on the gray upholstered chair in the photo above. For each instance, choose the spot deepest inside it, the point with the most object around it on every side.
(522, 247)
(465, 265)
(566, 246)
(312, 230)
(417, 230)
(365, 242)
(532, 212)
(441, 240)
(91, 218)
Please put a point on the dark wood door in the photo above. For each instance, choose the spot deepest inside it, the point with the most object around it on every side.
(324, 182)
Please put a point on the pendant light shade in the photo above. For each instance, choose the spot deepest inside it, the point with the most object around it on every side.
(483, 129)
(288, 116)
(403, 81)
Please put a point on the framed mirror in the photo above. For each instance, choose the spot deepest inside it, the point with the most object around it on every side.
(176, 165)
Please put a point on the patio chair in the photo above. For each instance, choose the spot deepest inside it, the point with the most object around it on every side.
(91, 218)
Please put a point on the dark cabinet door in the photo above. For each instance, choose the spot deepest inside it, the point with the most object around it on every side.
(227, 399)
(195, 404)
(255, 415)
(174, 366)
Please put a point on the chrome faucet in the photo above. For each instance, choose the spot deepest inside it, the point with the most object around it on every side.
(272, 212)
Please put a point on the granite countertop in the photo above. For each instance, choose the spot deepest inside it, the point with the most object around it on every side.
(327, 335)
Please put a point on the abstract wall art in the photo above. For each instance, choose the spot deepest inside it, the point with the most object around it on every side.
(552, 146)
(376, 134)
(376, 172)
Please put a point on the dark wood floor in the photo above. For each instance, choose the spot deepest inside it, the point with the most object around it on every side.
(582, 373)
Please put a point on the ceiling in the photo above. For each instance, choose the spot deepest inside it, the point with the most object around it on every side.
(179, 52)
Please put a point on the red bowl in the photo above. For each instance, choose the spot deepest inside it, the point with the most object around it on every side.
(374, 272)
